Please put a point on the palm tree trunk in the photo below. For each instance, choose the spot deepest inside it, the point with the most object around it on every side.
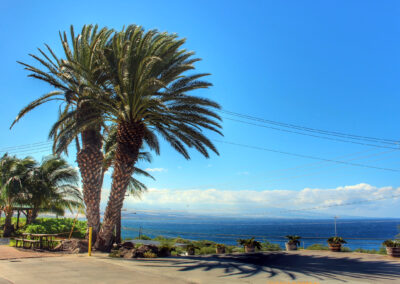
(129, 141)
(118, 229)
(90, 162)
(8, 227)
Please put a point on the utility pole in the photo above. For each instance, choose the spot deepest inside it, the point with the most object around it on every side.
(335, 226)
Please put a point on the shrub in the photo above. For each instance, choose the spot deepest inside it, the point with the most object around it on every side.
(60, 226)
(317, 247)
(381, 250)
(346, 249)
(149, 254)
(267, 246)
(143, 237)
(205, 250)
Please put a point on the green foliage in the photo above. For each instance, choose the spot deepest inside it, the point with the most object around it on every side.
(57, 226)
(181, 241)
(317, 247)
(381, 250)
(149, 254)
(143, 237)
(345, 249)
(220, 246)
(249, 242)
(293, 239)
(336, 240)
(205, 250)
(267, 246)
(392, 243)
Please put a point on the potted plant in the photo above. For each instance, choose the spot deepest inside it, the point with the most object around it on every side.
(292, 243)
(190, 248)
(392, 247)
(335, 243)
(220, 248)
(249, 244)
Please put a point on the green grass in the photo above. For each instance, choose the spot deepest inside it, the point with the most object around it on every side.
(317, 247)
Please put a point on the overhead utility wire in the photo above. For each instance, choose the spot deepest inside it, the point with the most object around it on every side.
(306, 156)
(29, 146)
(312, 135)
(320, 131)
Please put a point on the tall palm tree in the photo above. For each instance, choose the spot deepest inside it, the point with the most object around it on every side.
(72, 90)
(135, 187)
(150, 96)
(14, 178)
(52, 188)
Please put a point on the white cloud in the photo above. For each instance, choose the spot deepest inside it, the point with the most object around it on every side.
(276, 203)
(155, 170)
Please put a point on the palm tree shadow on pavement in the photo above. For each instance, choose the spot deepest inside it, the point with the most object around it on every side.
(284, 264)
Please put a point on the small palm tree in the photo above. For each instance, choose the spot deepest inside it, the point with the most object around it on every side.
(150, 96)
(14, 177)
(52, 188)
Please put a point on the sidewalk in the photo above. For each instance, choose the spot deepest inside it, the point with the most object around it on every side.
(266, 268)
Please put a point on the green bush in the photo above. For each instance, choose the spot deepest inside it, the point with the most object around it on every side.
(345, 249)
(143, 237)
(206, 250)
(381, 250)
(317, 247)
(267, 246)
(60, 226)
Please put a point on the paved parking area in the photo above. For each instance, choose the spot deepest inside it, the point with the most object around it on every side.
(267, 268)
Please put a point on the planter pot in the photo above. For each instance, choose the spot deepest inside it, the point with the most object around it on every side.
(220, 250)
(190, 251)
(335, 247)
(248, 249)
(290, 246)
(395, 252)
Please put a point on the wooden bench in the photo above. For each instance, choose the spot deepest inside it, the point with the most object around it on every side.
(30, 242)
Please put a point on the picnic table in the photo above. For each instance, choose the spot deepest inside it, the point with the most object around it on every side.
(36, 240)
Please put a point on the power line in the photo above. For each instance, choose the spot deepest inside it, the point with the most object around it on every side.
(32, 145)
(312, 135)
(315, 130)
(306, 156)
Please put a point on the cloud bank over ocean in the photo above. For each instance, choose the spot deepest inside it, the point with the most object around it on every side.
(365, 201)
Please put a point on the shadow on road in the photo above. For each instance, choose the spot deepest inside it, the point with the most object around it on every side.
(279, 264)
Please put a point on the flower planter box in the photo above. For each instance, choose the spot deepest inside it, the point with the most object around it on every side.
(290, 246)
(394, 252)
(335, 247)
(220, 250)
(249, 249)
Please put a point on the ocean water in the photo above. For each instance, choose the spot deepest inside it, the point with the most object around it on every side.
(359, 233)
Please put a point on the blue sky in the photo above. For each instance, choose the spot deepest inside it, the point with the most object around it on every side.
(330, 65)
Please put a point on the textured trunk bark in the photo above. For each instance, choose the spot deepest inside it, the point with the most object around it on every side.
(118, 229)
(129, 141)
(8, 227)
(90, 162)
